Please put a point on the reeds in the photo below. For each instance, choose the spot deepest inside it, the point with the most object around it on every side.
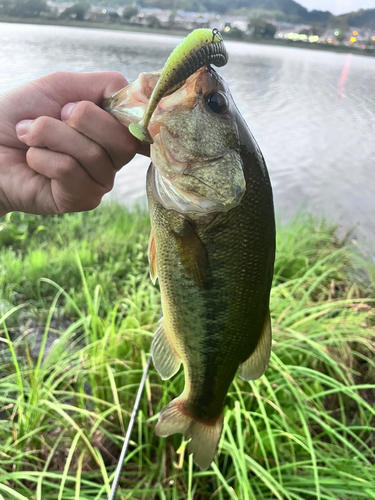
(77, 314)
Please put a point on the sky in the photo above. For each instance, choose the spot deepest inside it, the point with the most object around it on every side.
(337, 6)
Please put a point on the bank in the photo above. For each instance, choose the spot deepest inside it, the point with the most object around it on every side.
(77, 315)
(173, 32)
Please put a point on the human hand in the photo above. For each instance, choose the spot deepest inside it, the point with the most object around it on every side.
(59, 152)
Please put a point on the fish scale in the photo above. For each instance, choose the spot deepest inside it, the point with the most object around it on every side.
(218, 318)
(212, 248)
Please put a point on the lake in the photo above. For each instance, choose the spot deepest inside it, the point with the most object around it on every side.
(312, 112)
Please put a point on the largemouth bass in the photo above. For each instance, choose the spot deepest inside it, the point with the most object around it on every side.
(212, 248)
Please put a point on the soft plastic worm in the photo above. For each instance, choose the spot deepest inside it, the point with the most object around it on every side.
(198, 49)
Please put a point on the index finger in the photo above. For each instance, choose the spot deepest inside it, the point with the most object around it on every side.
(102, 128)
(47, 95)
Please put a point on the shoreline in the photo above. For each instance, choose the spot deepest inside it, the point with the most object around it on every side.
(137, 29)
(79, 312)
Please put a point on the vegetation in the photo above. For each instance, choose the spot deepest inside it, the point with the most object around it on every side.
(76, 11)
(288, 7)
(129, 12)
(24, 8)
(362, 18)
(261, 29)
(153, 22)
(286, 10)
(280, 10)
(77, 313)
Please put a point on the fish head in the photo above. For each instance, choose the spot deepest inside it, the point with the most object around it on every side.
(196, 147)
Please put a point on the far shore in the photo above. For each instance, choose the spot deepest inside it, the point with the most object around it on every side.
(179, 32)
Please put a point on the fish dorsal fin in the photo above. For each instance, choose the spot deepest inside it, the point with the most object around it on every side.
(152, 258)
(193, 254)
(257, 362)
(164, 357)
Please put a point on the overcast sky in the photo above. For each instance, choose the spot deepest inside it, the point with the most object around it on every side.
(338, 6)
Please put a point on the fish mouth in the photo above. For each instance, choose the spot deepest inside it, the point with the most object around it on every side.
(185, 178)
(129, 104)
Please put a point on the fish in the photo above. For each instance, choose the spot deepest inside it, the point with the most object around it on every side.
(212, 247)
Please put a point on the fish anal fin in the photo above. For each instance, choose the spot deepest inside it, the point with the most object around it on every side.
(257, 362)
(204, 437)
(193, 254)
(152, 258)
(164, 357)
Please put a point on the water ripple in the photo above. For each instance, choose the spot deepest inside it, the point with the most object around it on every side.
(315, 126)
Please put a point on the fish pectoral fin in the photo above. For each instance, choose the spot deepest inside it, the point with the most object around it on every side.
(204, 437)
(193, 254)
(152, 258)
(164, 357)
(257, 362)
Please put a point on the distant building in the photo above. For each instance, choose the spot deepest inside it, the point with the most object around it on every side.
(59, 7)
(99, 13)
(222, 22)
(179, 19)
(194, 20)
(141, 18)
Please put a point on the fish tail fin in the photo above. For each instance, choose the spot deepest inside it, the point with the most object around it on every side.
(204, 441)
(204, 437)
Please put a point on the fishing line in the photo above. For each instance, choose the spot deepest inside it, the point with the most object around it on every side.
(128, 432)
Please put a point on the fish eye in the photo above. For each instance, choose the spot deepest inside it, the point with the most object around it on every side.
(217, 102)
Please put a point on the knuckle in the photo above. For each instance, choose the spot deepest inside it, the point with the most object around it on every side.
(109, 184)
(80, 114)
(115, 82)
(68, 201)
(106, 183)
(95, 153)
(32, 155)
(118, 78)
(129, 150)
(94, 201)
(85, 196)
(65, 165)
(38, 129)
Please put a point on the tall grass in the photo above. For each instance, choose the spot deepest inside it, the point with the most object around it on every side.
(77, 314)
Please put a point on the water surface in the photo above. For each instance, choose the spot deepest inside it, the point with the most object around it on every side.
(312, 112)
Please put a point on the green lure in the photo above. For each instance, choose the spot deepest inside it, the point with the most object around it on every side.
(199, 48)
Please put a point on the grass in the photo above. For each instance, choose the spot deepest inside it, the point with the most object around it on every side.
(77, 314)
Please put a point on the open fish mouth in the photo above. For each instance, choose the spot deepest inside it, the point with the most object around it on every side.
(197, 167)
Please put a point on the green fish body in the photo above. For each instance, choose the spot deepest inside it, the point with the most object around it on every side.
(212, 248)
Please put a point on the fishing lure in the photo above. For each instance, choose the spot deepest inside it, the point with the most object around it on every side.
(200, 48)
